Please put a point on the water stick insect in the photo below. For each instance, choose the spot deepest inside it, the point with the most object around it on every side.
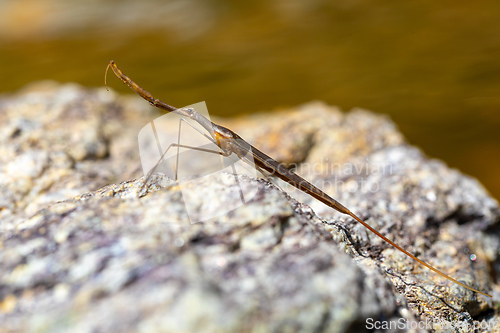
(231, 143)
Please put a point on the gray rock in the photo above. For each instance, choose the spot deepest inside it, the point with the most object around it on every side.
(79, 256)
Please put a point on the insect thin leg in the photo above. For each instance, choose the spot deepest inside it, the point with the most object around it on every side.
(178, 143)
(157, 139)
(152, 171)
(238, 182)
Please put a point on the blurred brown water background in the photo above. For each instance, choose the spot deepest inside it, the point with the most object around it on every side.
(433, 66)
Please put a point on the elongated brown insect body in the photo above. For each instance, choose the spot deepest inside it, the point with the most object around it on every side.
(230, 142)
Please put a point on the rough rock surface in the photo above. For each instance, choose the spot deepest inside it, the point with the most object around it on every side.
(82, 256)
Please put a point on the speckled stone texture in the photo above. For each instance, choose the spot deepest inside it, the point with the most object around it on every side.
(79, 255)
